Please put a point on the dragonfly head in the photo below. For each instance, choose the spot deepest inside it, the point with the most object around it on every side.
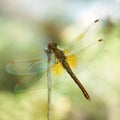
(52, 46)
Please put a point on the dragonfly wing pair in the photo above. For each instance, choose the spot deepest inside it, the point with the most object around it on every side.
(78, 56)
(29, 70)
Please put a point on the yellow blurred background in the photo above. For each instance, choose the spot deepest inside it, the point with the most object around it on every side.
(26, 26)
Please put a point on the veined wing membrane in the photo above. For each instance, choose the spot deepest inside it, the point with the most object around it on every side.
(80, 58)
(32, 71)
(29, 81)
(83, 49)
(83, 34)
(26, 67)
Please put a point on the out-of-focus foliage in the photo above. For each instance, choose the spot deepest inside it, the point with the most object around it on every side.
(25, 29)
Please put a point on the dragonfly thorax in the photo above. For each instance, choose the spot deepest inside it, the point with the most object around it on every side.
(59, 54)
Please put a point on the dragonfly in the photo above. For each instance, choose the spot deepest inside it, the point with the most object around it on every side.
(64, 60)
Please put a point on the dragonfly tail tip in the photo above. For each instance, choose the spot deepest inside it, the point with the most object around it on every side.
(87, 96)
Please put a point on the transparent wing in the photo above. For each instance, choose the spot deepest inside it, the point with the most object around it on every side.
(83, 34)
(30, 81)
(83, 57)
(84, 49)
(26, 67)
(39, 80)
(85, 37)
(31, 72)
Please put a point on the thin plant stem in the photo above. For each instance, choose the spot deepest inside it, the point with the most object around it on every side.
(49, 82)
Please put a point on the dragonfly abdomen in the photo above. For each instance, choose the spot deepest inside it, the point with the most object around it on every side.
(73, 76)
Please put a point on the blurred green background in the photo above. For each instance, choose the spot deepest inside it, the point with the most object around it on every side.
(26, 26)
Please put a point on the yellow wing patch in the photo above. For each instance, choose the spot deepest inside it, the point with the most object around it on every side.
(57, 68)
(66, 52)
(72, 60)
(81, 36)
